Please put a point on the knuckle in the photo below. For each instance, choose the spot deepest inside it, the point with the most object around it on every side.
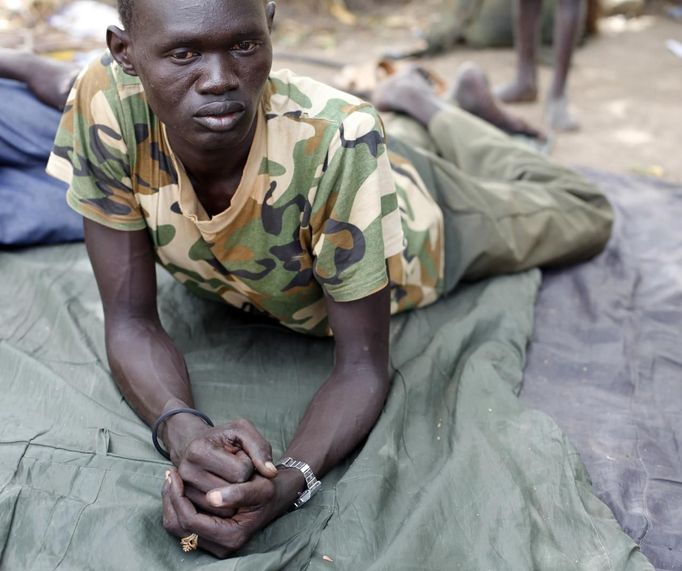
(269, 488)
(239, 539)
(195, 450)
(174, 530)
(171, 526)
(243, 423)
(184, 521)
(185, 472)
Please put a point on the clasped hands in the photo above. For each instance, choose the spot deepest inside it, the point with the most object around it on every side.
(224, 487)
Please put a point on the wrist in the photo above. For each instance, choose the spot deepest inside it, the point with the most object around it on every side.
(289, 484)
(179, 430)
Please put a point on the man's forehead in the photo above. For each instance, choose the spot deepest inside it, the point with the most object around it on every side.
(197, 16)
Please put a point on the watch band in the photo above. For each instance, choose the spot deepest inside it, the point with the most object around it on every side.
(311, 482)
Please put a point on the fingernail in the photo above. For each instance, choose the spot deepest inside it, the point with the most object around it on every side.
(270, 466)
(215, 499)
(168, 479)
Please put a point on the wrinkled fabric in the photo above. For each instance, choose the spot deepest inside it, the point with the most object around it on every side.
(456, 474)
(606, 363)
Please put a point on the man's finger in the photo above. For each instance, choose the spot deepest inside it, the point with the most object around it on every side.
(232, 468)
(223, 532)
(170, 518)
(198, 498)
(252, 442)
(199, 478)
(257, 492)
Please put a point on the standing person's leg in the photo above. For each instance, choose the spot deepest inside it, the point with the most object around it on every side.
(566, 26)
(526, 28)
(505, 207)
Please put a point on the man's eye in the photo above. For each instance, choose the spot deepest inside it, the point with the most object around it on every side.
(245, 46)
(184, 55)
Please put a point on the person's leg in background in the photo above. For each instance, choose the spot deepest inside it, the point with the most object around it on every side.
(566, 26)
(33, 207)
(524, 87)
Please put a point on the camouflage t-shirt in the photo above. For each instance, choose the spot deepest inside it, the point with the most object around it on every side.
(319, 209)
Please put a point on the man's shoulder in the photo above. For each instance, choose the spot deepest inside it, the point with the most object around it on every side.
(103, 81)
(289, 94)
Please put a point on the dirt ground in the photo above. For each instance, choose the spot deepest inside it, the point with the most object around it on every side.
(625, 87)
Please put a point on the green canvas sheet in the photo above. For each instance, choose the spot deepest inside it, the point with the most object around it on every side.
(457, 474)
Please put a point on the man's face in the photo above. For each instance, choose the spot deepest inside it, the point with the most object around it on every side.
(204, 65)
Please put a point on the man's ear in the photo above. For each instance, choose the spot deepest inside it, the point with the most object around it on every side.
(270, 9)
(119, 45)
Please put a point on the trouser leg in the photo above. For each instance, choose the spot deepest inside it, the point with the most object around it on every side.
(27, 126)
(33, 207)
(506, 208)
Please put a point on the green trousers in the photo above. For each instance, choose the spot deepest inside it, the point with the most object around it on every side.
(505, 207)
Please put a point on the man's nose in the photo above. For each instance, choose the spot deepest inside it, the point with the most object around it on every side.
(218, 75)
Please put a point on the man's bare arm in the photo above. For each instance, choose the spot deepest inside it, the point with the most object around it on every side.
(151, 372)
(347, 406)
(50, 80)
(146, 365)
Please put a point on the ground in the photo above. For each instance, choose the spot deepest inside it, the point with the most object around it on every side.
(625, 86)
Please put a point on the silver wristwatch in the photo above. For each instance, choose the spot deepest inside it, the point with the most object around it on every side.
(311, 482)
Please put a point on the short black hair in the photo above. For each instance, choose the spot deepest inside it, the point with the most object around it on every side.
(125, 12)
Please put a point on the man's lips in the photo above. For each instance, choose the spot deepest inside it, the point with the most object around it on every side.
(220, 108)
(220, 116)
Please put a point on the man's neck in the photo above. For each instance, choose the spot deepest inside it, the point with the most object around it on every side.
(213, 166)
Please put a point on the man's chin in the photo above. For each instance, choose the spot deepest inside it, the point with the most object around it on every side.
(207, 141)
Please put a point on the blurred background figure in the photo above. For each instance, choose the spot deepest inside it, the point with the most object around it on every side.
(524, 87)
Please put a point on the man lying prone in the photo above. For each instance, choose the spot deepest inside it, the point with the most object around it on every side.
(271, 191)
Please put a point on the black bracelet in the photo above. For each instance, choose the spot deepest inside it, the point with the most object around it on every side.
(165, 416)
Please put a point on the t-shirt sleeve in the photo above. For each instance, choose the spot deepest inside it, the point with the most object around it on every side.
(355, 221)
(90, 153)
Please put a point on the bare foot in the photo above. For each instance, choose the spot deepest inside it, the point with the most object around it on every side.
(519, 91)
(473, 94)
(408, 91)
(559, 117)
(49, 80)
(392, 93)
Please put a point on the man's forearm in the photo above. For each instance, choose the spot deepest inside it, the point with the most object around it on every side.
(339, 417)
(152, 375)
(14, 65)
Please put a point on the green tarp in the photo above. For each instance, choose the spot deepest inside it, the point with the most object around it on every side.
(457, 474)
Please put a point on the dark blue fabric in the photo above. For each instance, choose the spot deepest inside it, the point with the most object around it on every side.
(33, 207)
(605, 363)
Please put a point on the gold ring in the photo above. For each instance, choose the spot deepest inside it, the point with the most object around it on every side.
(190, 543)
